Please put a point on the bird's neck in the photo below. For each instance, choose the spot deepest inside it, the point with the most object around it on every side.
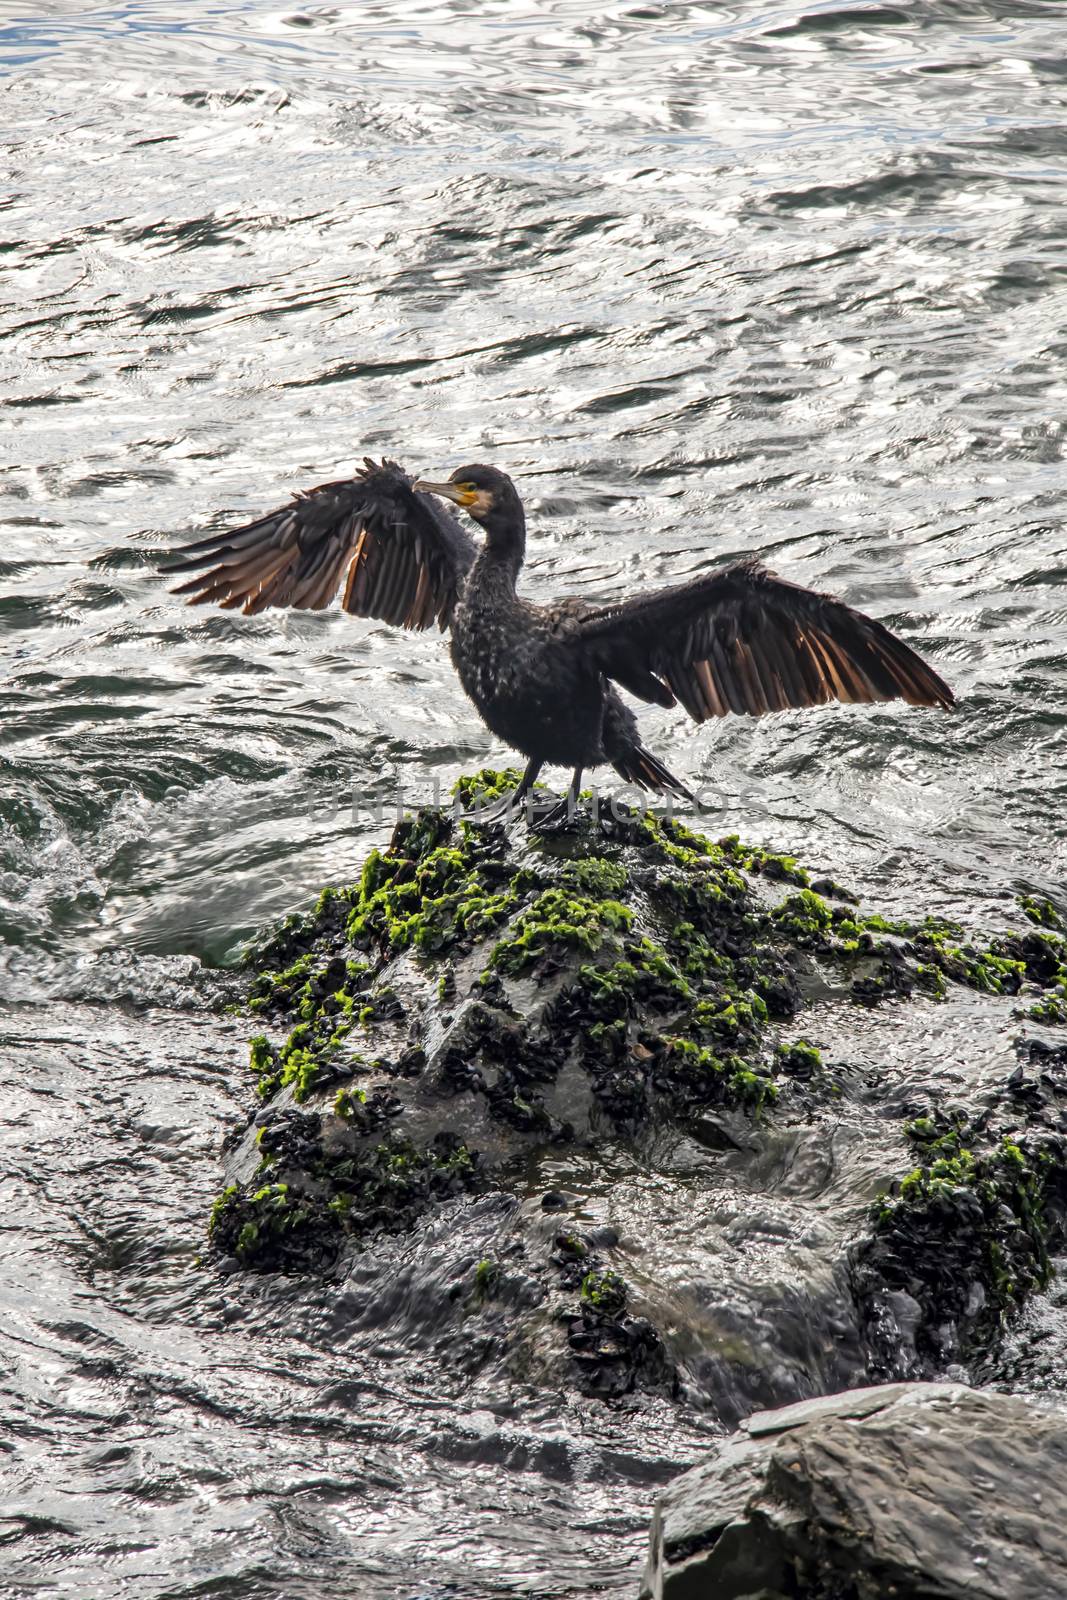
(505, 545)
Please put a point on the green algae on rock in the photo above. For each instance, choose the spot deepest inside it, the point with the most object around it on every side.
(445, 888)
(275, 1228)
(297, 1223)
(895, 957)
(566, 983)
(604, 1291)
(799, 1059)
(1041, 911)
(968, 1234)
(481, 998)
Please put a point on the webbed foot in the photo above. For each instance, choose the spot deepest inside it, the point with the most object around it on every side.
(510, 805)
(506, 809)
(552, 815)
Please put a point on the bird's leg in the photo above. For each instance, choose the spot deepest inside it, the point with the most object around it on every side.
(509, 803)
(561, 810)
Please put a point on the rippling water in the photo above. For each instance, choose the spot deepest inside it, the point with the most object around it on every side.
(705, 279)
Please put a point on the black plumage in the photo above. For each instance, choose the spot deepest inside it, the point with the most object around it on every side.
(543, 678)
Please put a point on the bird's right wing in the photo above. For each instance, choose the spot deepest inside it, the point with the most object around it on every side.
(402, 555)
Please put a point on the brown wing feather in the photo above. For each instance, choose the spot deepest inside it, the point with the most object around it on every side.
(745, 641)
(401, 556)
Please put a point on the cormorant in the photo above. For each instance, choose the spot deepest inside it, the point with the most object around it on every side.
(543, 677)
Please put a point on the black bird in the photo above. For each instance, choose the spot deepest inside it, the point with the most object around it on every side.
(543, 677)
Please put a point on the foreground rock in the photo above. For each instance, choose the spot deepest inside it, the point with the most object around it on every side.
(625, 1109)
(909, 1490)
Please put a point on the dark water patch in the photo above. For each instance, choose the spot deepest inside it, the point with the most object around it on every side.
(197, 233)
(23, 402)
(17, 614)
(624, 399)
(915, 188)
(838, 19)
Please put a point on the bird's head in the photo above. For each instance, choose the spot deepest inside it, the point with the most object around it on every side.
(485, 492)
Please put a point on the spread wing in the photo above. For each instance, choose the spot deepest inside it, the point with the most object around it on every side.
(403, 556)
(743, 640)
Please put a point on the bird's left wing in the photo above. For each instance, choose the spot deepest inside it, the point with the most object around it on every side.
(743, 640)
(403, 556)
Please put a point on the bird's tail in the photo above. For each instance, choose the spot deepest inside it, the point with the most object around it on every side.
(637, 765)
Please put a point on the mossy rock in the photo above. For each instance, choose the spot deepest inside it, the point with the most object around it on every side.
(482, 996)
(543, 955)
(968, 1234)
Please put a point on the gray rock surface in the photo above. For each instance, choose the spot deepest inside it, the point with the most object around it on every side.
(916, 1491)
